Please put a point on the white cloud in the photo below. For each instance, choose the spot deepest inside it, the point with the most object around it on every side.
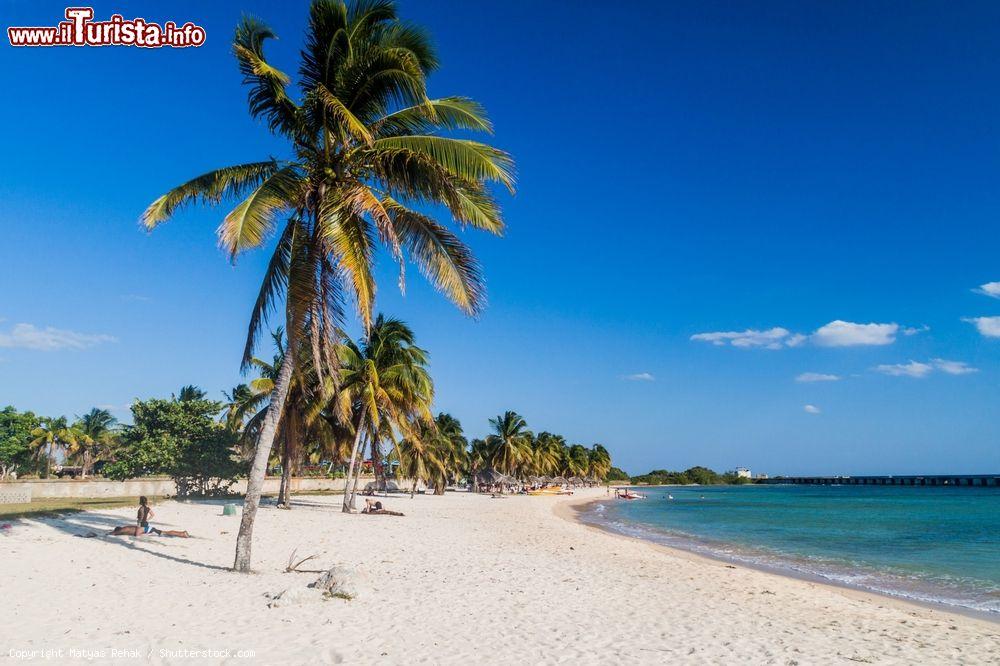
(918, 370)
(913, 330)
(807, 377)
(911, 369)
(796, 340)
(988, 326)
(811, 409)
(772, 338)
(640, 377)
(837, 333)
(840, 333)
(991, 289)
(28, 336)
(954, 367)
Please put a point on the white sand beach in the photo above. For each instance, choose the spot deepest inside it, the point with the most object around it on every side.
(459, 579)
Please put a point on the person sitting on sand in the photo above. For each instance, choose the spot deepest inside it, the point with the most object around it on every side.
(142, 525)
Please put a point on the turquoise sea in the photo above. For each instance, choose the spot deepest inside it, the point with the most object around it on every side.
(939, 545)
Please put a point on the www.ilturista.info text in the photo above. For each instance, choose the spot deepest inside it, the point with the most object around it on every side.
(79, 29)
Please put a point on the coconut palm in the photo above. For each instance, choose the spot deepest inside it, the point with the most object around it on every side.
(96, 432)
(364, 148)
(300, 424)
(599, 462)
(189, 393)
(420, 455)
(547, 453)
(477, 460)
(510, 445)
(241, 404)
(452, 446)
(50, 435)
(576, 461)
(385, 386)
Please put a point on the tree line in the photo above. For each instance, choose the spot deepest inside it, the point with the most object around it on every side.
(380, 412)
(694, 475)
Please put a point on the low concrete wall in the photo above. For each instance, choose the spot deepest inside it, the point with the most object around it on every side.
(26, 490)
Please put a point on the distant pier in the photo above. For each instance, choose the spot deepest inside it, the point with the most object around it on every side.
(962, 480)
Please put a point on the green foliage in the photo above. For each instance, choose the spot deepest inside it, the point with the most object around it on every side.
(694, 475)
(617, 474)
(514, 450)
(15, 439)
(180, 438)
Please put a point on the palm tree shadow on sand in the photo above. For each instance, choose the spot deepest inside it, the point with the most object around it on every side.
(85, 524)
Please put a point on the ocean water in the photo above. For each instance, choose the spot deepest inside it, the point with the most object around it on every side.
(938, 545)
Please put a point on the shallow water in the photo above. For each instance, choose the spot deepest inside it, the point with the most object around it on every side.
(939, 545)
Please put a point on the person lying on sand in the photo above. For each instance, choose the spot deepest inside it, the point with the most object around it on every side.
(376, 509)
(142, 525)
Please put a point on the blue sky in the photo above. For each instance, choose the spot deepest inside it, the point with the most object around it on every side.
(685, 170)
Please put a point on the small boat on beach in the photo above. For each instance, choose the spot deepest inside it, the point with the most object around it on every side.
(628, 495)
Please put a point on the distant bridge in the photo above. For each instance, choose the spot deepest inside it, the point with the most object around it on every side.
(963, 480)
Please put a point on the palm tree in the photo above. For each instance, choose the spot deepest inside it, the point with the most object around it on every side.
(510, 445)
(300, 421)
(576, 461)
(452, 445)
(364, 148)
(189, 393)
(385, 386)
(600, 462)
(547, 451)
(478, 460)
(53, 433)
(241, 403)
(420, 456)
(96, 434)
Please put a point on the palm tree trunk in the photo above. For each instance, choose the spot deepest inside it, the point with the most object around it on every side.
(377, 465)
(289, 431)
(285, 492)
(348, 498)
(357, 475)
(255, 481)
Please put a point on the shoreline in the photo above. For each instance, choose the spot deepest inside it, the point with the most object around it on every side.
(571, 510)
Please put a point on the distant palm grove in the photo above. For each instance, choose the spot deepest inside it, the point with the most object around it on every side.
(205, 444)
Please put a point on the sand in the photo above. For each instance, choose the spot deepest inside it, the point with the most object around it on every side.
(460, 579)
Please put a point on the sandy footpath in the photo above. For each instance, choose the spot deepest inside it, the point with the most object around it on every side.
(460, 579)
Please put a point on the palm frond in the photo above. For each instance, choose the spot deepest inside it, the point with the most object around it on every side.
(346, 120)
(274, 282)
(443, 259)
(351, 241)
(209, 188)
(327, 43)
(452, 113)
(463, 158)
(251, 222)
(268, 98)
